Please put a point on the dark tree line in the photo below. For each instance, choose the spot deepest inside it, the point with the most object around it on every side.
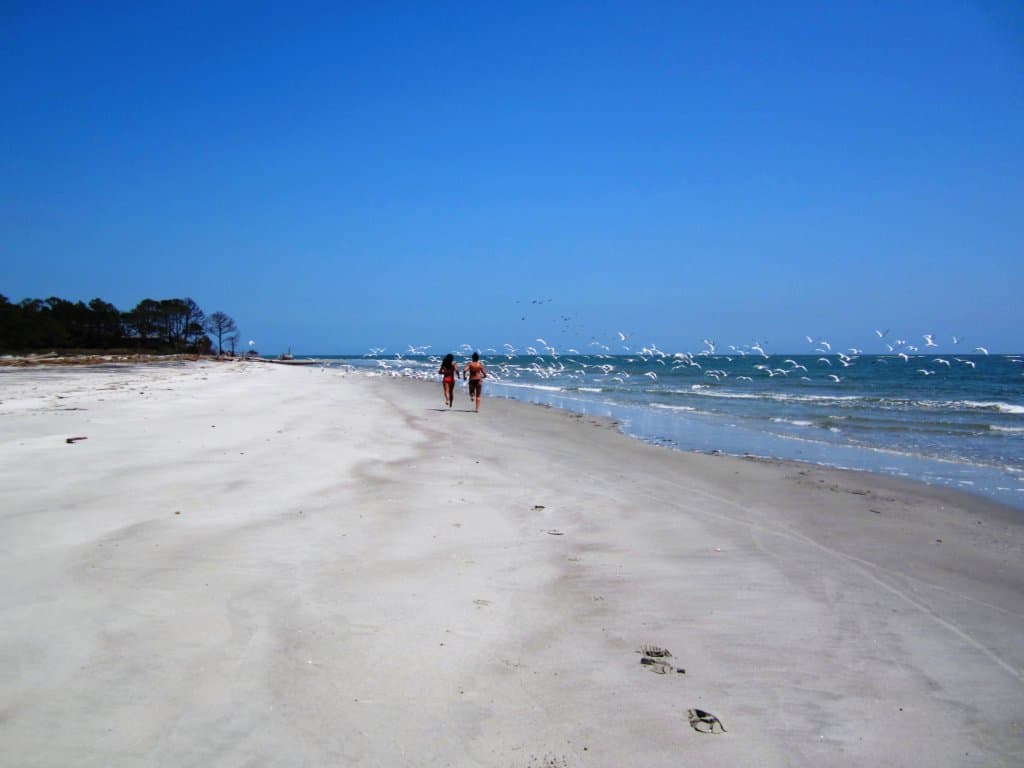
(167, 325)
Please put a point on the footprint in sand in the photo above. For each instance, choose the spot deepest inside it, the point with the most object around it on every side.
(654, 656)
(660, 667)
(699, 718)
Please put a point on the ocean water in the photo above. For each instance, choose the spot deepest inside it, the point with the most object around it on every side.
(958, 423)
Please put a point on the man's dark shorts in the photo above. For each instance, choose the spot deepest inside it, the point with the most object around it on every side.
(475, 388)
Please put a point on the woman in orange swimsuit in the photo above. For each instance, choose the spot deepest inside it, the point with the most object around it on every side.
(448, 371)
(476, 373)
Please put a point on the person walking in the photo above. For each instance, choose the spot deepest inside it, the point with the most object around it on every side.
(448, 370)
(476, 373)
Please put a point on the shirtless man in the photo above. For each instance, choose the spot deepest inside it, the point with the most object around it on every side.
(476, 373)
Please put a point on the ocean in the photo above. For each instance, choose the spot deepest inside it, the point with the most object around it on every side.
(955, 421)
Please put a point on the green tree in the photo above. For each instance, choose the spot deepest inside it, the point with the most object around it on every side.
(220, 325)
(144, 321)
(105, 327)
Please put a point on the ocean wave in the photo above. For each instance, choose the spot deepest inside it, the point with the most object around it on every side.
(590, 389)
(873, 401)
(998, 428)
(991, 405)
(541, 387)
(794, 422)
(666, 407)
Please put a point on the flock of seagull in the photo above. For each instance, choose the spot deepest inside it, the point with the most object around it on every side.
(599, 363)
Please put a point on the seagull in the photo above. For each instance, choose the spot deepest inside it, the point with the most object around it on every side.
(926, 372)
(651, 375)
(622, 336)
(541, 341)
(905, 356)
(956, 339)
(929, 340)
(834, 378)
(940, 360)
(965, 362)
(882, 334)
(826, 361)
(981, 349)
(826, 345)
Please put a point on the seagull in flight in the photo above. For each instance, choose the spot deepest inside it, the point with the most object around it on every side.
(929, 340)
(835, 378)
(981, 349)
(882, 334)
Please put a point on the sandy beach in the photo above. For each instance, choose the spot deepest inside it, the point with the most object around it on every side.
(246, 564)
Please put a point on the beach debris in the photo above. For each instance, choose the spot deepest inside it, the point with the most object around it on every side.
(72, 440)
(554, 532)
(538, 506)
(660, 666)
(655, 651)
(699, 717)
(654, 656)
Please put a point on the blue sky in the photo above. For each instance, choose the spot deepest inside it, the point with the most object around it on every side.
(338, 176)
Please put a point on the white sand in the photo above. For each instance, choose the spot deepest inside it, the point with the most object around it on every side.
(249, 564)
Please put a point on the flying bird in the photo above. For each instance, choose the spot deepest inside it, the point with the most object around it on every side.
(981, 349)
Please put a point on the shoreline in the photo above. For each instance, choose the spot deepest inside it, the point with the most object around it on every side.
(931, 471)
(271, 563)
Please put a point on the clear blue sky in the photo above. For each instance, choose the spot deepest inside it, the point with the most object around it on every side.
(336, 176)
